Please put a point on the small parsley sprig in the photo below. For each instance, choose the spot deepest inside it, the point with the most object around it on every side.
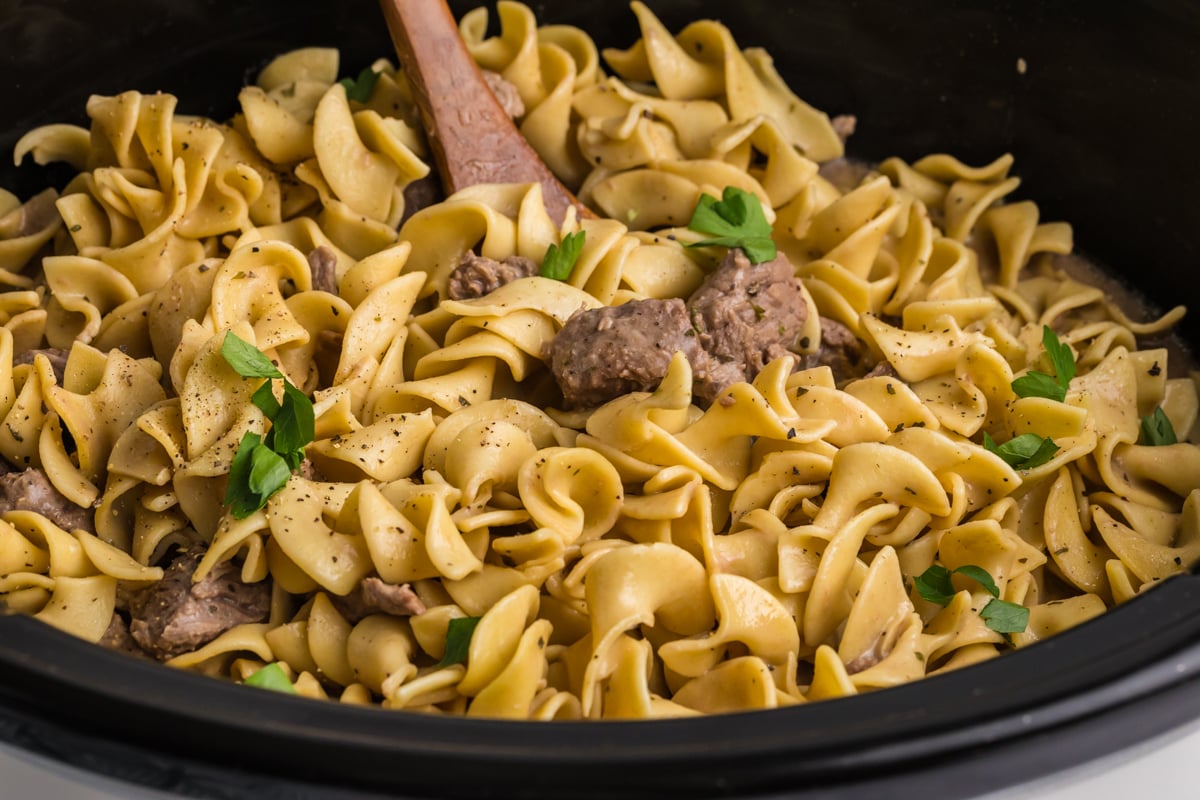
(1023, 452)
(263, 465)
(360, 88)
(1001, 616)
(1157, 429)
(458, 640)
(1039, 384)
(560, 260)
(934, 583)
(736, 220)
(272, 677)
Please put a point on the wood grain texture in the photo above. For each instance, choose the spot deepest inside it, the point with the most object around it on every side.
(474, 141)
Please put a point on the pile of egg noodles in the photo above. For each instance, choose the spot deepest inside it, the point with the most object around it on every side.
(642, 559)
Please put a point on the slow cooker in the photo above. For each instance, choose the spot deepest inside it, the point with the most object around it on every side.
(1098, 104)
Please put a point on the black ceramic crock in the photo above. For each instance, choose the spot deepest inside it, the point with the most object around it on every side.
(1104, 125)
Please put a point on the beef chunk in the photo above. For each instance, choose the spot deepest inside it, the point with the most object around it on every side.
(311, 472)
(844, 125)
(37, 213)
(420, 194)
(868, 659)
(376, 596)
(845, 173)
(506, 93)
(745, 316)
(117, 637)
(842, 352)
(322, 262)
(177, 616)
(606, 352)
(31, 490)
(476, 276)
(58, 360)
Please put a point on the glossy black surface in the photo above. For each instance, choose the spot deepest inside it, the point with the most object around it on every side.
(1104, 126)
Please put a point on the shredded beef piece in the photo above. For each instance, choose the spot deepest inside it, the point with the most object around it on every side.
(177, 616)
(606, 352)
(845, 173)
(322, 262)
(882, 370)
(117, 637)
(376, 596)
(35, 214)
(58, 360)
(476, 276)
(506, 93)
(746, 315)
(844, 125)
(420, 194)
(842, 352)
(31, 490)
(867, 659)
(310, 472)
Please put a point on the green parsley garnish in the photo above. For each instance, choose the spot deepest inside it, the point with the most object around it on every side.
(1023, 452)
(736, 220)
(1000, 615)
(272, 677)
(934, 583)
(360, 88)
(263, 466)
(1005, 617)
(1157, 429)
(458, 640)
(560, 259)
(1039, 384)
(246, 359)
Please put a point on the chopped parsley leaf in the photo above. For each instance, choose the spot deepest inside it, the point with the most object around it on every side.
(272, 677)
(1039, 384)
(458, 640)
(1157, 429)
(360, 88)
(560, 260)
(1023, 452)
(736, 220)
(263, 466)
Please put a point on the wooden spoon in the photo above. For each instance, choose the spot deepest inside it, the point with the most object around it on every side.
(474, 141)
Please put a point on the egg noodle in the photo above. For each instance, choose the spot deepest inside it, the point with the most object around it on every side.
(646, 558)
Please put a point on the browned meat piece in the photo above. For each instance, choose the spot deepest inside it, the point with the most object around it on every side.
(376, 596)
(882, 370)
(31, 490)
(844, 125)
(36, 213)
(420, 194)
(310, 472)
(506, 93)
(117, 638)
(476, 276)
(842, 352)
(745, 316)
(845, 173)
(867, 659)
(58, 360)
(177, 616)
(607, 352)
(323, 264)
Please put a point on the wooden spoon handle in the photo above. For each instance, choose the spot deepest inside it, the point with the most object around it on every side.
(473, 139)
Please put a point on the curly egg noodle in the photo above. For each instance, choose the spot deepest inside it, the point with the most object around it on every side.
(645, 558)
